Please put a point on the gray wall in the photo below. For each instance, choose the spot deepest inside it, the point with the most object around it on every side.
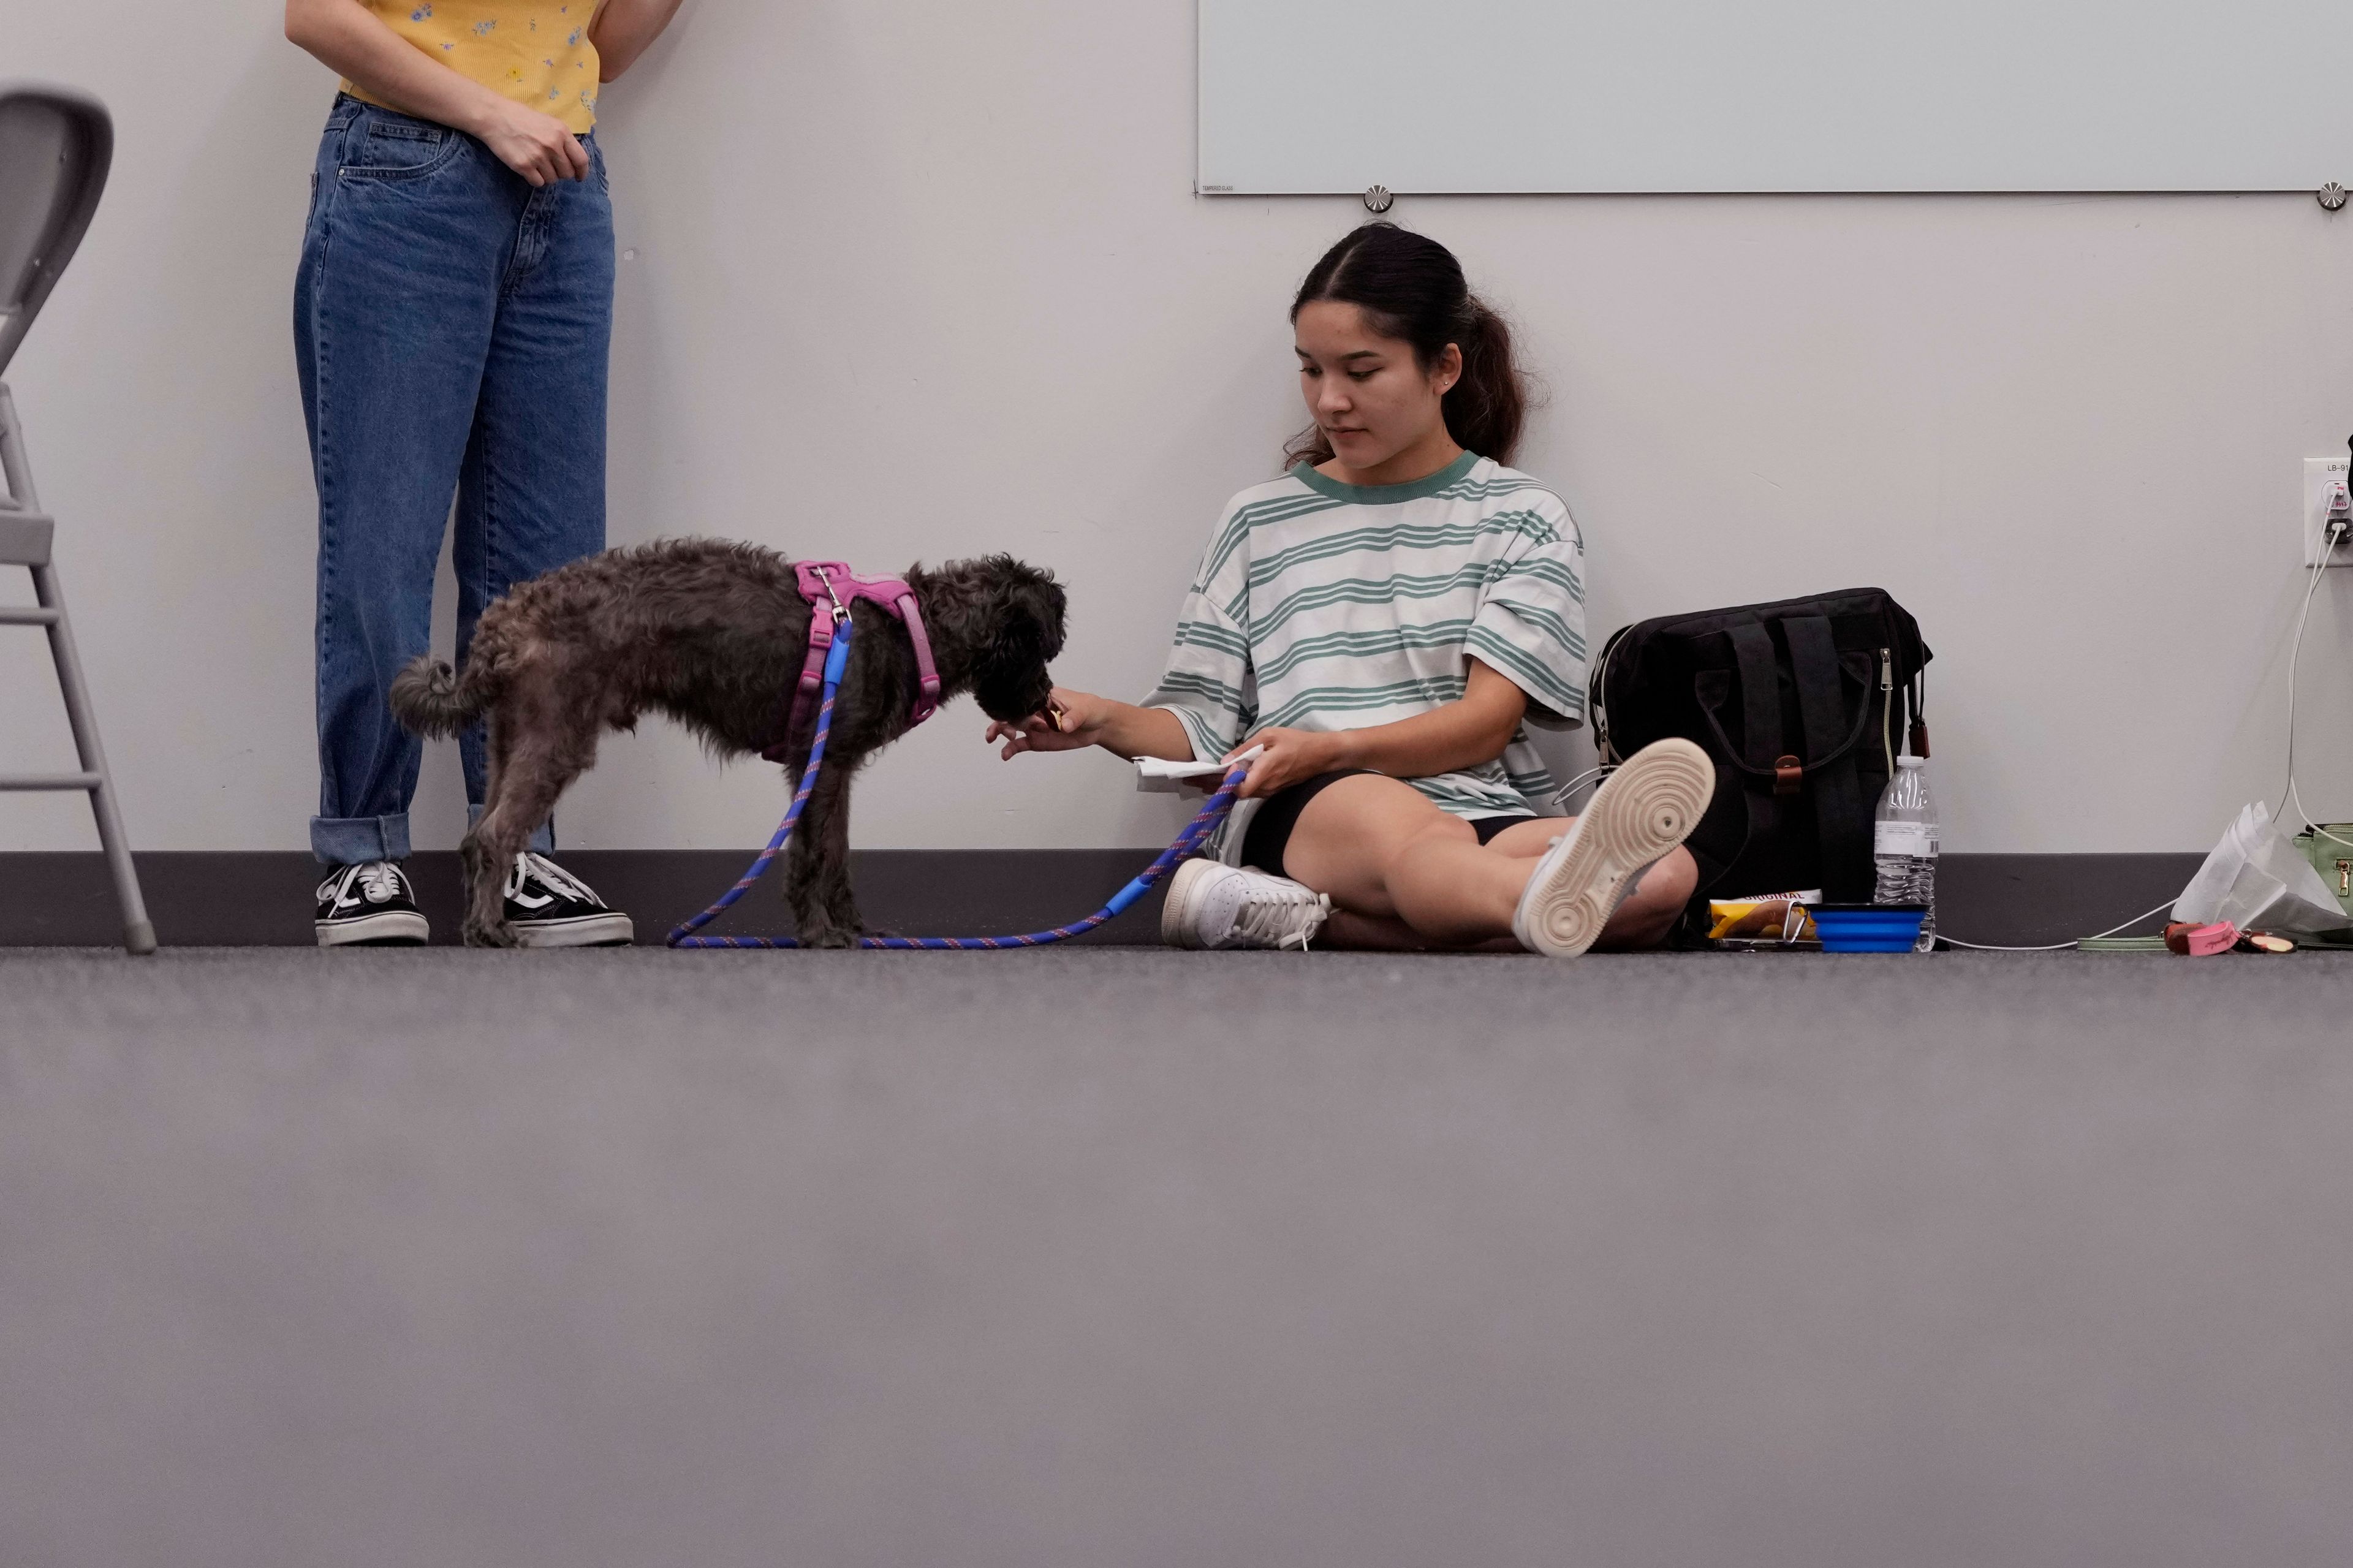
(913, 281)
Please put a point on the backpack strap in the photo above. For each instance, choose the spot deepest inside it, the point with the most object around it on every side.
(1597, 701)
(1739, 817)
(1760, 699)
(1841, 821)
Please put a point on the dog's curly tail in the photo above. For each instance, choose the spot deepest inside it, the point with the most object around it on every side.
(429, 699)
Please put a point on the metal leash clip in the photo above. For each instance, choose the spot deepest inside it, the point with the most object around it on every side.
(840, 615)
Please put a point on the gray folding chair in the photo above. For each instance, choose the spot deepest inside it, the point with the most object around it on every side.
(55, 146)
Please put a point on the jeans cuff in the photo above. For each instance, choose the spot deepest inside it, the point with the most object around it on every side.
(543, 841)
(357, 840)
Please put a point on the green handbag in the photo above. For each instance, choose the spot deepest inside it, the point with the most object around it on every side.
(2329, 848)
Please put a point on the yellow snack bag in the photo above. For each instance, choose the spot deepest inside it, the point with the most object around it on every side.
(1781, 916)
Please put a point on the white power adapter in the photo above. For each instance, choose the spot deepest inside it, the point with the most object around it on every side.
(2328, 514)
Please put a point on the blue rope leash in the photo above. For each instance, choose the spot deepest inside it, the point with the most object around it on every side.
(1197, 832)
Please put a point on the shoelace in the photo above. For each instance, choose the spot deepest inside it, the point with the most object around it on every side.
(532, 863)
(1268, 910)
(379, 882)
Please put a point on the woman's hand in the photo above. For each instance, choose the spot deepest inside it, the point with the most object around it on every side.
(1072, 720)
(539, 147)
(1464, 734)
(347, 38)
(1291, 756)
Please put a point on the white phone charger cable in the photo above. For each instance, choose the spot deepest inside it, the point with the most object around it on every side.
(1568, 791)
(2340, 525)
(2057, 946)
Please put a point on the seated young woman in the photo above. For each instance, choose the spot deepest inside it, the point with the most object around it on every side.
(1382, 622)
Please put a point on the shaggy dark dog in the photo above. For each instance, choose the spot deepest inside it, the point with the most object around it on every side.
(713, 633)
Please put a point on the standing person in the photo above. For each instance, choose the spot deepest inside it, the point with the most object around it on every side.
(452, 317)
(1380, 622)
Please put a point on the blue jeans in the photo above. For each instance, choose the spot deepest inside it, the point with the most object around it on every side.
(451, 326)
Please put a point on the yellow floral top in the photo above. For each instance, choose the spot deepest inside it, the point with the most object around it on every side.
(535, 52)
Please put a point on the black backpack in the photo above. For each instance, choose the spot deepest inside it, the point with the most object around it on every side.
(1795, 703)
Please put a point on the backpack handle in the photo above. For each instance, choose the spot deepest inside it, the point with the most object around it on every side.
(1711, 687)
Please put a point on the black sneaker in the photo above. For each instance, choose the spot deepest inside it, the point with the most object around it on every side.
(547, 906)
(369, 904)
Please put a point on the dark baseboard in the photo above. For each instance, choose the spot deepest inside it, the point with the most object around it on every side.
(262, 898)
(2026, 899)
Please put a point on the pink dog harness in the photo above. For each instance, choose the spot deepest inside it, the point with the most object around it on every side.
(831, 587)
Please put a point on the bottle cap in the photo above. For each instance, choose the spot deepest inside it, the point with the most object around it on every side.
(1906, 759)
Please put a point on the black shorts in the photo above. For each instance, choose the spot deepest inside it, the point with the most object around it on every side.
(1269, 830)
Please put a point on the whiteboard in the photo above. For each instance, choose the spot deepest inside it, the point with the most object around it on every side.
(1326, 96)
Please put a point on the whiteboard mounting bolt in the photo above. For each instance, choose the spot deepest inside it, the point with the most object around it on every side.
(2332, 197)
(1378, 199)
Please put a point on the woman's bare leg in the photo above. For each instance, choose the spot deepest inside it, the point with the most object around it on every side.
(1404, 874)
(1652, 906)
(1387, 934)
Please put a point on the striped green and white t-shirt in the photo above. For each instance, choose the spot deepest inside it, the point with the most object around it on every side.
(1328, 606)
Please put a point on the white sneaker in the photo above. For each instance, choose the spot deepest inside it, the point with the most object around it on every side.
(1641, 812)
(1215, 905)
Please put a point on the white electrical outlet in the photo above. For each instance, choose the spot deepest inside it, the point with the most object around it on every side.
(2319, 475)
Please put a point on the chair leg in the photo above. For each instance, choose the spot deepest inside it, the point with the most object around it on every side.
(138, 931)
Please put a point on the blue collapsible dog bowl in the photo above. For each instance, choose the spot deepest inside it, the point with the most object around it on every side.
(1868, 928)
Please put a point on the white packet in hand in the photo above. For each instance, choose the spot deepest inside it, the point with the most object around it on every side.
(1158, 775)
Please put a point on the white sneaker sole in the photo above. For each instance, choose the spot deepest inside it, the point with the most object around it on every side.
(611, 929)
(1176, 914)
(393, 928)
(1641, 811)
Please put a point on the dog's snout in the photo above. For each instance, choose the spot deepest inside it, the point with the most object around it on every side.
(1012, 705)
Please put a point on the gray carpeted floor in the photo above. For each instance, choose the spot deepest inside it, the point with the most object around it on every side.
(1135, 1257)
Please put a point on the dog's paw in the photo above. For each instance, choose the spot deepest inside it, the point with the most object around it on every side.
(498, 934)
(832, 937)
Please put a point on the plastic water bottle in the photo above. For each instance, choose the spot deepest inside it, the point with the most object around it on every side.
(1904, 844)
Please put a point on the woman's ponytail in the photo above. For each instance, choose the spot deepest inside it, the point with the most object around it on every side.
(1485, 409)
(1410, 287)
